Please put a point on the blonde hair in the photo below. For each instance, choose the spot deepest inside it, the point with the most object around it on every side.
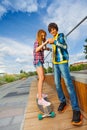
(39, 38)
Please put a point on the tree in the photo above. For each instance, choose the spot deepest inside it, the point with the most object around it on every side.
(21, 71)
(85, 49)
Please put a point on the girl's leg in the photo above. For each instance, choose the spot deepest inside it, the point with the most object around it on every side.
(40, 73)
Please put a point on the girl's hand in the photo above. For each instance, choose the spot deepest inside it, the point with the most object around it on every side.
(46, 42)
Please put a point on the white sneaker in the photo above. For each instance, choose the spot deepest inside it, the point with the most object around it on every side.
(43, 95)
(43, 102)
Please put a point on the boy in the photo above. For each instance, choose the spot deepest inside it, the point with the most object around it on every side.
(60, 61)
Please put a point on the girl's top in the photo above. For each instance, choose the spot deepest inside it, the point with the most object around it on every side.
(38, 56)
(60, 53)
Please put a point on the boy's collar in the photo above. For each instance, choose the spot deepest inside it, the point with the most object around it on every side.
(55, 37)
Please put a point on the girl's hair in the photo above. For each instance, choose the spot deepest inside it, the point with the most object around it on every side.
(39, 37)
(52, 25)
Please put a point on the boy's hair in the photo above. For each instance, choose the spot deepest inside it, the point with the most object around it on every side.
(52, 25)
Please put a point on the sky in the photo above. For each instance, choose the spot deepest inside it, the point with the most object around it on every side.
(21, 19)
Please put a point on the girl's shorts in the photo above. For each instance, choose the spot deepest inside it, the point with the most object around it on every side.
(39, 64)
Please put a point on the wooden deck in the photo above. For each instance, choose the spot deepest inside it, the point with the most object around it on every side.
(60, 122)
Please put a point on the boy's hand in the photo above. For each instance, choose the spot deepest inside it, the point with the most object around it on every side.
(50, 40)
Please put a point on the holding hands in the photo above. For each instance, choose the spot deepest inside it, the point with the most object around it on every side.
(50, 40)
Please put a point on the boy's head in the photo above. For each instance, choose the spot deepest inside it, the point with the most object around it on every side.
(52, 26)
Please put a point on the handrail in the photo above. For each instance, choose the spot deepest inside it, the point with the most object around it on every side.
(77, 26)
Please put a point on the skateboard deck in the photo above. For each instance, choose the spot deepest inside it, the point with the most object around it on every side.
(46, 111)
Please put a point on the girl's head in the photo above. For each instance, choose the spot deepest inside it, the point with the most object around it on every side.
(41, 36)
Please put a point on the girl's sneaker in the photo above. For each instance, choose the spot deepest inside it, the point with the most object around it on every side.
(43, 102)
(43, 95)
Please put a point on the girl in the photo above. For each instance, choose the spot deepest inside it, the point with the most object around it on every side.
(39, 47)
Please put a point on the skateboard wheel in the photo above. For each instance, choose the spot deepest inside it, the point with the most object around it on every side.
(52, 114)
(40, 117)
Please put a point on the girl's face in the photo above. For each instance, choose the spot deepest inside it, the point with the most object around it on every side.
(43, 36)
(53, 32)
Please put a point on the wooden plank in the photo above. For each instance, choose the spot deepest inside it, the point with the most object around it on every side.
(60, 122)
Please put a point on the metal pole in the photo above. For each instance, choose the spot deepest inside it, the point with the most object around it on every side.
(47, 55)
(77, 26)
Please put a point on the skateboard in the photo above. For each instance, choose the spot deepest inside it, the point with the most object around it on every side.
(46, 111)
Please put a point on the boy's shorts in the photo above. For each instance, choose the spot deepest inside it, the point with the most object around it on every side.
(39, 64)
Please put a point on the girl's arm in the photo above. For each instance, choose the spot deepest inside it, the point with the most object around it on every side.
(41, 46)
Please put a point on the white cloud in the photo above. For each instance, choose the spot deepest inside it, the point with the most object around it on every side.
(12, 47)
(77, 58)
(22, 60)
(28, 6)
(2, 10)
(14, 55)
(18, 5)
(67, 14)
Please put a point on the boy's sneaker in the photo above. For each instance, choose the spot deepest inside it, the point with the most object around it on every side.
(62, 107)
(77, 118)
(43, 95)
(43, 102)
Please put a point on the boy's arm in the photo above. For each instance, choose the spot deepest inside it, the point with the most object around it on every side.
(64, 46)
(50, 40)
(60, 42)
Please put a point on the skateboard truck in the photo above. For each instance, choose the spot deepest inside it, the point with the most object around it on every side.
(41, 116)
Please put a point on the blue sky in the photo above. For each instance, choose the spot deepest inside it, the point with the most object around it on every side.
(21, 19)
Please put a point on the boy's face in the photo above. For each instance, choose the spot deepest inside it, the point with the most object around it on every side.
(53, 32)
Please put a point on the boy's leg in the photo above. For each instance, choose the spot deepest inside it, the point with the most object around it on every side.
(57, 76)
(70, 87)
(71, 90)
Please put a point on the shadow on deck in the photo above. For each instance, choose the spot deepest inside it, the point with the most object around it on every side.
(59, 122)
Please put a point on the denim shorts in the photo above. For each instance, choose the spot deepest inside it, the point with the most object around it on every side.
(38, 64)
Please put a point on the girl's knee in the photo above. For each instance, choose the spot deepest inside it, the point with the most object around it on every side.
(41, 78)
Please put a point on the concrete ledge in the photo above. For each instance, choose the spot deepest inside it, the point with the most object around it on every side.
(80, 76)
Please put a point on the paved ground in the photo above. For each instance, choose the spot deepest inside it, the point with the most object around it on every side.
(13, 101)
